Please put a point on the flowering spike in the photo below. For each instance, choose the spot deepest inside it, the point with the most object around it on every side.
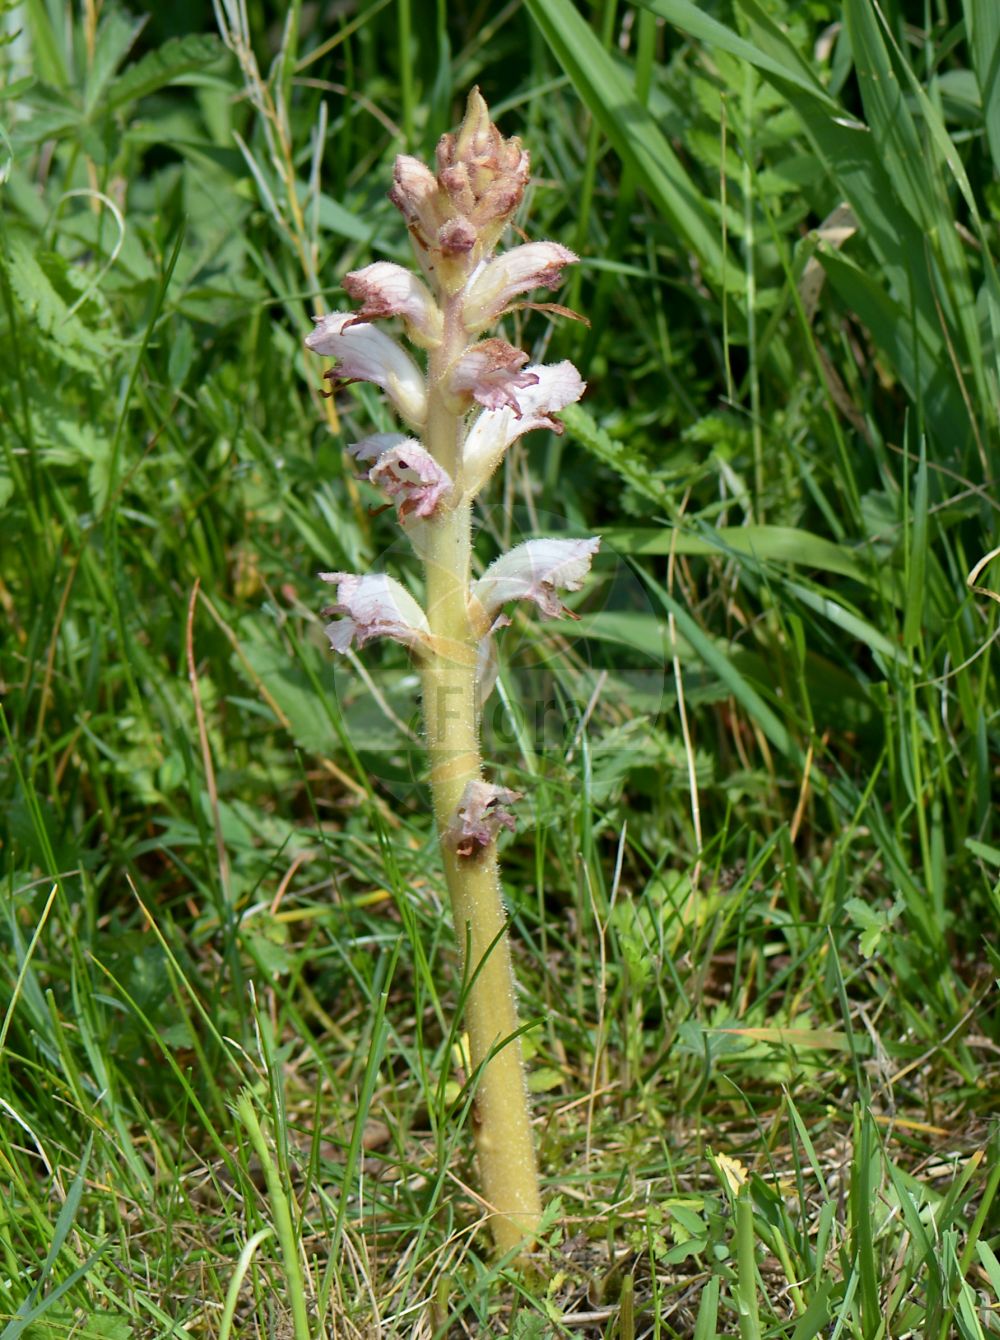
(456, 215)
(478, 139)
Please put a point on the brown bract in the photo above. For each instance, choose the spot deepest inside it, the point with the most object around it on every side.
(479, 817)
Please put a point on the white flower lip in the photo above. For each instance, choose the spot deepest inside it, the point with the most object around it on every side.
(479, 817)
(535, 571)
(373, 605)
(385, 289)
(556, 386)
(411, 476)
(366, 354)
(534, 265)
(490, 372)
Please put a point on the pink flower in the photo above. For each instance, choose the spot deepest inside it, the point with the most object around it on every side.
(479, 817)
(489, 372)
(374, 605)
(366, 354)
(555, 386)
(535, 571)
(493, 289)
(385, 289)
(412, 478)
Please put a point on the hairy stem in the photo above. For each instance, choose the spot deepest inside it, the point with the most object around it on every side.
(502, 1120)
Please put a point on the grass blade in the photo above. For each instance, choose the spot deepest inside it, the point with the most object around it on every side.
(610, 96)
(982, 21)
(737, 684)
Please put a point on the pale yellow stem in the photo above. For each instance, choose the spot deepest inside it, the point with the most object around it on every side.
(502, 1121)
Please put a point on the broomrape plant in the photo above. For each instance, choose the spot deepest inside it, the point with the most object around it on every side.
(473, 397)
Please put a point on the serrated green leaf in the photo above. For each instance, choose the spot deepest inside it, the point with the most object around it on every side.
(80, 442)
(52, 115)
(543, 1079)
(584, 429)
(290, 687)
(116, 34)
(873, 922)
(43, 306)
(107, 1325)
(17, 88)
(49, 54)
(98, 1326)
(860, 912)
(178, 57)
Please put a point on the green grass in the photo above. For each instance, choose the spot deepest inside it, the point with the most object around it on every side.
(755, 908)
